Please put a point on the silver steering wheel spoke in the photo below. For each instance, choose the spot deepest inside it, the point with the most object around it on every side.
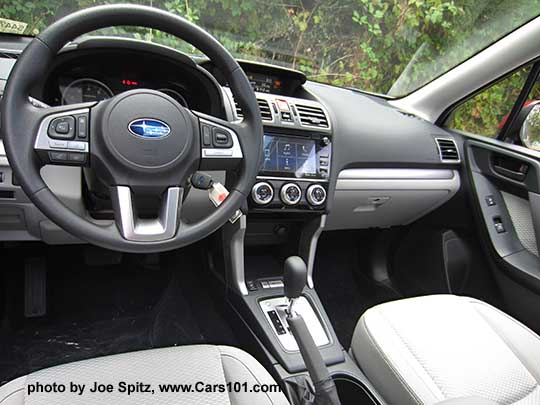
(134, 228)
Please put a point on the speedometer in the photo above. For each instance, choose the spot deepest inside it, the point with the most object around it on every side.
(84, 90)
(176, 95)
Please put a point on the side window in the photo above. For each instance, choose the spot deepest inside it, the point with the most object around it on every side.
(486, 112)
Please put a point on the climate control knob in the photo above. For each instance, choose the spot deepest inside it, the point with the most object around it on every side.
(316, 194)
(262, 193)
(291, 194)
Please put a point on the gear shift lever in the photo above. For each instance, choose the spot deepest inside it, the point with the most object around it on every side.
(294, 280)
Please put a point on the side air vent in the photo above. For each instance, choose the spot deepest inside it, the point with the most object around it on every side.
(264, 107)
(448, 150)
(312, 116)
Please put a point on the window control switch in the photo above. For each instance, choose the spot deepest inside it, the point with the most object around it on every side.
(499, 227)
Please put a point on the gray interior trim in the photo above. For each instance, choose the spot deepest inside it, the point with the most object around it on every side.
(366, 198)
(233, 246)
(520, 213)
(388, 174)
(304, 308)
(308, 244)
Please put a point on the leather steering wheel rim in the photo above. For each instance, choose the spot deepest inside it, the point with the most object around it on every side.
(21, 121)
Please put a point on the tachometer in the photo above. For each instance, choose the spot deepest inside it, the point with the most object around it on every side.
(84, 90)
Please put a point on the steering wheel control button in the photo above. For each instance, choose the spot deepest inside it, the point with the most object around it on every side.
(222, 139)
(62, 128)
(77, 145)
(82, 126)
(58, 157)
(77, 157)
(217, 153)
(262, 193)
(316, 195)
(206, 131)
(57, 144)
(291, 194)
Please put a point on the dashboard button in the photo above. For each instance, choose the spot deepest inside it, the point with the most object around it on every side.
(262, 193)
(316, 194)
(291, 194)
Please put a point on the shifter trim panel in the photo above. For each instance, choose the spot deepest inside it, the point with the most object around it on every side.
(303, 307)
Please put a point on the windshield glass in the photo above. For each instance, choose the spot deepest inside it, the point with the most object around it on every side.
(389, 47)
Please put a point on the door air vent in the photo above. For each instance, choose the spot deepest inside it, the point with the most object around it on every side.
(312, 116)
(448, 150)
(264, 107)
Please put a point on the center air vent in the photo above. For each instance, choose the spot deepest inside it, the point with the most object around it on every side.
(448, 150)
(264, 107)
(312, 116)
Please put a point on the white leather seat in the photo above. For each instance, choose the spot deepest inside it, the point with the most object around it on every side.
(177, 365)
(430, 349)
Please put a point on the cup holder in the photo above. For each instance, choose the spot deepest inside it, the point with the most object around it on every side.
(352, 391)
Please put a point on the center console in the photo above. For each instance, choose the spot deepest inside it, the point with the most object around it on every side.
(286, 215)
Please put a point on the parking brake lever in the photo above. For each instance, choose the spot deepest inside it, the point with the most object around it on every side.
(294, 280)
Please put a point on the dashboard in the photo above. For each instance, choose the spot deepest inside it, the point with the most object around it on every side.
(327, 150)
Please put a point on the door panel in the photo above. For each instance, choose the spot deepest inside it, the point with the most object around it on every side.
(506, 185)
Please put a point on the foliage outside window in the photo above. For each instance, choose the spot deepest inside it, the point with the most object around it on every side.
(391, 46)
(485, 113)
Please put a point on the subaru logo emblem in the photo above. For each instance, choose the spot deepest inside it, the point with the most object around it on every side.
(149, 128)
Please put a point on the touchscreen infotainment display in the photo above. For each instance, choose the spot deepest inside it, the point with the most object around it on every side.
(294, 156)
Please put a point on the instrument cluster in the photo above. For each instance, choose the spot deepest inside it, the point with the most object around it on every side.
(98, 74)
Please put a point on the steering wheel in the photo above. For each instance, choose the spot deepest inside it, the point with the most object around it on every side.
(142, 143)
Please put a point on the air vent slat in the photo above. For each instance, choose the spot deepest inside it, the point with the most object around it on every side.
(312, 116)
(264, 107)
(448, 150)
(9, 55)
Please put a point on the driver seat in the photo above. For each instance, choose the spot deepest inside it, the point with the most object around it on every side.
(204, 364)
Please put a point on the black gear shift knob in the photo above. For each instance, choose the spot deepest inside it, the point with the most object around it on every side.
(294, 276)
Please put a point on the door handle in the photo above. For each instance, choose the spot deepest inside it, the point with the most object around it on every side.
(509, 167)
(512, 174)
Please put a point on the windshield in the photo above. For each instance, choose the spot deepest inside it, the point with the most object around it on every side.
(388, 47)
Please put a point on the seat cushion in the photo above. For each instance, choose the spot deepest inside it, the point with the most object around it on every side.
(179, 365)
(429, 349)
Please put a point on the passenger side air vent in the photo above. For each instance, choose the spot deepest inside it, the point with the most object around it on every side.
(264, 107)
(312, 116)
(448, 150)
